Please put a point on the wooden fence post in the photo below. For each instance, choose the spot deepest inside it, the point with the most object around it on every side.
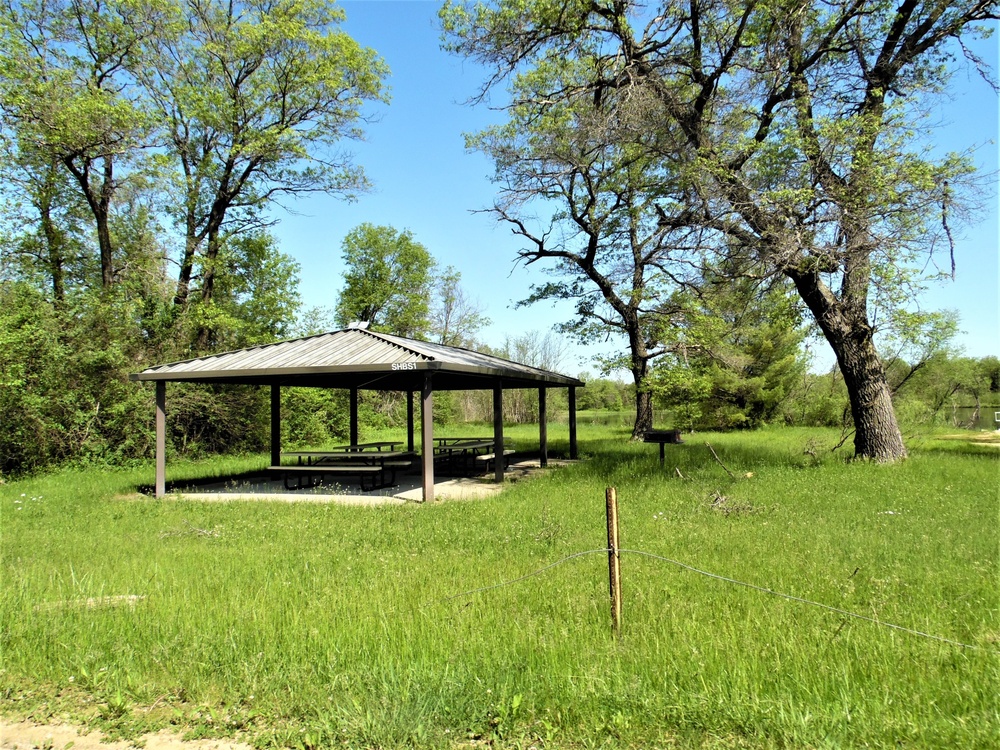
(614, 562)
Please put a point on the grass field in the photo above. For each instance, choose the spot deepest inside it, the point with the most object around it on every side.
(319, 625)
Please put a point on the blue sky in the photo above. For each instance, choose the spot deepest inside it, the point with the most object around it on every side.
(426, 182)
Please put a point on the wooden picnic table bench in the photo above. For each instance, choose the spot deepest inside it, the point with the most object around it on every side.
(378, 466)
(444, 442)
(377, 445)
(339, 451)
(487, 458)
(467, 454)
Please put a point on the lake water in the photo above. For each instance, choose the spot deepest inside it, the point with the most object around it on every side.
(989, 417)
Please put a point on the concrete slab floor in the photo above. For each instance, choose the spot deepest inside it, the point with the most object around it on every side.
(407, 489)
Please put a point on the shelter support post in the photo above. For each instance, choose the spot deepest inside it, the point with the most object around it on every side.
(498, 433)
(543, 430)
(161, 439)
(427, 437)
(409, 421)
(572, 424)
(275, 424)
(354, 416)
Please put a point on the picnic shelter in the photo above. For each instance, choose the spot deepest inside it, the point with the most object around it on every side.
(357, 359)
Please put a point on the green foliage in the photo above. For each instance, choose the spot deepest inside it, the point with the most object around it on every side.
(66, 394)
(256, 296)
(601, 394)
(119, 114)
(45, 239)
(821, 401)
(735, 354)
(313, 416)
(86, 90)
(387, 282)
(239, 143)
(69, 97)
(65, 366)
(207, 419)
(682, 390)
(29, 379)
(799, 146)
(932, 389)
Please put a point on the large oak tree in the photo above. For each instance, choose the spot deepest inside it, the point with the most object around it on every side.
(792, 124)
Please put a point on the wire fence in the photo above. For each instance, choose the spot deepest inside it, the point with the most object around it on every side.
(725, 579)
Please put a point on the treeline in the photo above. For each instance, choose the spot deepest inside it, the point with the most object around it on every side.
(65, 394)
(945, 390)
(142, 146)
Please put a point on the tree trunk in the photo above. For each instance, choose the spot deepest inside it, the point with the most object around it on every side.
(643, 413)
(104, 226)
(208, 273)
(53, 239)
(640, 369)
(99, 201)
(212, 247)
(186, 269)
(877, 436)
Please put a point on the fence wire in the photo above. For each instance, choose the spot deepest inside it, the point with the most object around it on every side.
(725, 579)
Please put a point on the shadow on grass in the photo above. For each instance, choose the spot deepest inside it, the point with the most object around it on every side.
(179, 485)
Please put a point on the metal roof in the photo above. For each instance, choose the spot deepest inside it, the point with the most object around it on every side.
(358, 358)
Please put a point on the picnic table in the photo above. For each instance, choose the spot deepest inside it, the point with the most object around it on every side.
(374, 468)
(465, 454)
(377, 445)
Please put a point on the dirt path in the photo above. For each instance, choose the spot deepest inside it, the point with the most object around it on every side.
(28, 736)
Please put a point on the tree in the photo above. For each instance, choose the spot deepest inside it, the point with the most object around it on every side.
(946, 379)
(119, 115)
(604, 238)
(256, 96)
(792, 125)
(454, 318)
(601, 394)
(388, 281)
(256, 297)
(66, 87)
(734, 353)
(47, 237)
(30, 395)
(532, 348)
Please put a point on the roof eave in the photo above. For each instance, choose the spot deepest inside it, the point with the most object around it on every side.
(283, 374)
(280, 372)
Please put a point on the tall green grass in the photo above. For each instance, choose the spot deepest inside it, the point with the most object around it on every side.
(314, 625)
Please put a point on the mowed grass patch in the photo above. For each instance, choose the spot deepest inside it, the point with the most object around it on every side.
(312, 625)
